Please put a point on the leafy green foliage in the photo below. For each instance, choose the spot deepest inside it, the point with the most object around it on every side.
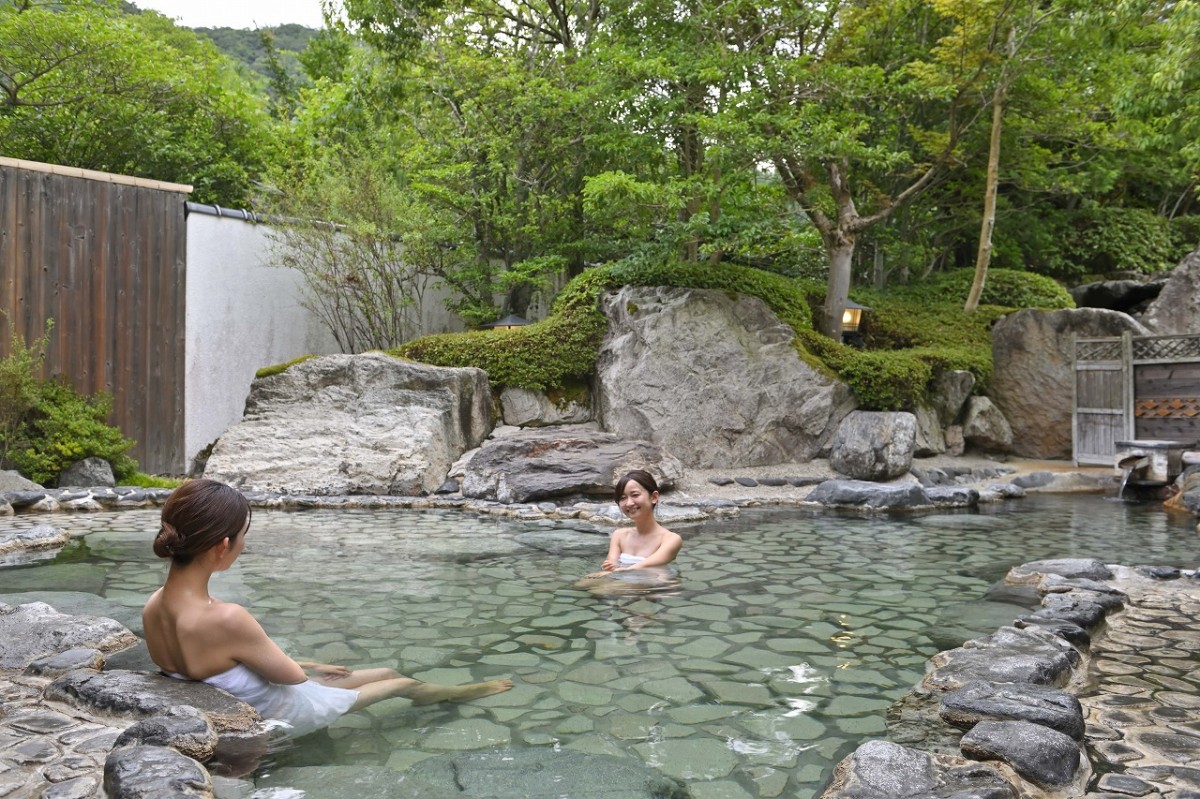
(45, 426)
(248, 48)
(19, 386)
(1005, 287)
(552, 353)
(143, 480)
(67, 427)
(84, 85)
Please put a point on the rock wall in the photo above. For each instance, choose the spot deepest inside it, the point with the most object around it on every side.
(714, 379)
(1032, 381)
(354, 424)
(1177, 308)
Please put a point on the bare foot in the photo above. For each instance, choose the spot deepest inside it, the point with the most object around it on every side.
(460, 693)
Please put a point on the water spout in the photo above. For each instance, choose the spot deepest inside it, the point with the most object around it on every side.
(1128, 465)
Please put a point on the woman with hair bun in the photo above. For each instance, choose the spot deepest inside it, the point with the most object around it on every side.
(194, 636)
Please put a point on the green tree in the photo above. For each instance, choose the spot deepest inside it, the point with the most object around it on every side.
(84, 85)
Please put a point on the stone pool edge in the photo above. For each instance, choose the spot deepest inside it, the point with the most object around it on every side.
(1025, 712)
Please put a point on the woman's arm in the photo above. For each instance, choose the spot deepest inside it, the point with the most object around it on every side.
(250, 644)
(614, 550)
(668, 548)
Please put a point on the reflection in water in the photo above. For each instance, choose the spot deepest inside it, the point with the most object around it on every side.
(779, 648)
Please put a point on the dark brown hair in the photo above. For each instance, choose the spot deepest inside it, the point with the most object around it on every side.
(642, 478)
(197, 516)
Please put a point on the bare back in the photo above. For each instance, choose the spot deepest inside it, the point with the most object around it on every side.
(187, 637)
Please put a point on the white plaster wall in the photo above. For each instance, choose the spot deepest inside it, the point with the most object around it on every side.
(242, 315)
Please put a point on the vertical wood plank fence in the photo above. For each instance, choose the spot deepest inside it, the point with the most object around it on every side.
(104, 256)
(1134, 387)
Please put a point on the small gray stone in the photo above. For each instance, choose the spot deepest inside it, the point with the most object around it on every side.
(748, 482)
(1008, 655)
(1033, 571)
(1158, 572)
(721, 481)
(35, 630)
(953, 496)
(1125, 784)
(1033, 480)
(1067, 630)
(448, 487)
(868, 495)
(70, 660)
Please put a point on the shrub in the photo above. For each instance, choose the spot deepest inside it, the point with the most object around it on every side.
(1007, 288)
(67, 427)
(19, 387)
(562, 348)
(46, 426)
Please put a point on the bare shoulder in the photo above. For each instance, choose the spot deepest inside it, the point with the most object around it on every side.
(231, 613)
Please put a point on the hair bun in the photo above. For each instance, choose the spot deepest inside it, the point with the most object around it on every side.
(167, 542)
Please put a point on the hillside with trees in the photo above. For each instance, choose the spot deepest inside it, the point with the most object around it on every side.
(504, 149)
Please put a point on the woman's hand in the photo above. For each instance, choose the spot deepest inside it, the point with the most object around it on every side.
(328, 671)
(608, 565)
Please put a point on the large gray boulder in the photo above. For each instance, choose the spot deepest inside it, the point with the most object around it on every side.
(523, 407)
(87, 473)
(714, 379)
(986, 427)
(871, 445)
(561, 461)
(1032, 380)
(1126, 296)
(13, 481)
(354, 424)
(1008, 655)
(140, 695)
(1039, 704)
(1177, 308)
(1041, 755)
(34, 630)
(949, 394)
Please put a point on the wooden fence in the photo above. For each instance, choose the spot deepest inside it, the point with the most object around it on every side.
(104, 256)
(1134, 387)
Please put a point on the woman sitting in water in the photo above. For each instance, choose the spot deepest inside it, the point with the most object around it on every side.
(193, 636)
(647, 544)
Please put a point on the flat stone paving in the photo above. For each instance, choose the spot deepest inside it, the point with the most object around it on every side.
(1143, 714)
(49, 751)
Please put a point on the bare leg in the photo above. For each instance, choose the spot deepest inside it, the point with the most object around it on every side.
(375, 685)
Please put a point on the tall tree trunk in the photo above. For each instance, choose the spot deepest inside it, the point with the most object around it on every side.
(840, 247)
(984, 256)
